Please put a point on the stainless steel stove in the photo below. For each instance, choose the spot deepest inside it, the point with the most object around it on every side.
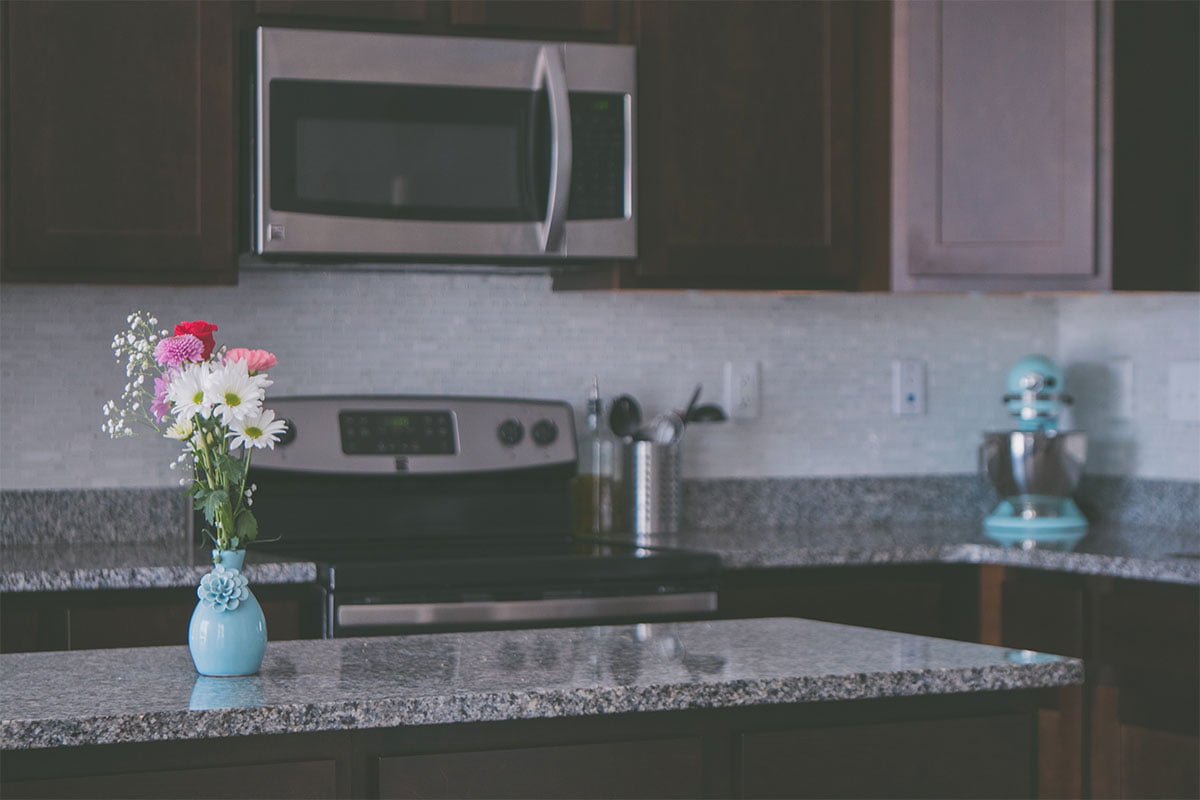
(453, 513)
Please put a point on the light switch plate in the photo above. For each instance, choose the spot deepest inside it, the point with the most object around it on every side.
(908, 386)
(743, 389)
(1183, 391)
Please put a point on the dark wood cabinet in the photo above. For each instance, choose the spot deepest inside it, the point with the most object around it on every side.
(138, 617)
(585, 17)
(964, 757)
(655, 768)
(1132, 730)
(295, 779)
(746, 147)
(120, 133)
(383, 11)
(928, 601)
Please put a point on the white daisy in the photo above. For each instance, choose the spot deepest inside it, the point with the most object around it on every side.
(259, 429)
(186, 392)
(233, 392)
(180, 431)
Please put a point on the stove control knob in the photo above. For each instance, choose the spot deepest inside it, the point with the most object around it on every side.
(288, 435)
(510, 432)
(544, 432)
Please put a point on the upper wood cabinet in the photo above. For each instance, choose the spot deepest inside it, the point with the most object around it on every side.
(1000, 145)
(120, 142)
(746, 147)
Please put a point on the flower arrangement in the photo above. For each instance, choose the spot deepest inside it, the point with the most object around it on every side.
(210, 400)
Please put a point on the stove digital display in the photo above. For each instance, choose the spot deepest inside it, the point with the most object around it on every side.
(410, 433)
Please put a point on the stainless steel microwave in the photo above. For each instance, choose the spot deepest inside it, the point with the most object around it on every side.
(375, 144)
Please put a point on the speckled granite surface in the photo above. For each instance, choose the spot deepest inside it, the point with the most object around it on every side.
(152, 694)
(130, 565)
(786, 502)
(1118, 551)
(89, 516)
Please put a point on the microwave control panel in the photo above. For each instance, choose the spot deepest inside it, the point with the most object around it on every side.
(598, 172)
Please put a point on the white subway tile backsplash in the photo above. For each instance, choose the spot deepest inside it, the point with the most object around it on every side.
(826, 363)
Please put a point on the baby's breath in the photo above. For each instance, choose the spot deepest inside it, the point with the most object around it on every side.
(135, 347)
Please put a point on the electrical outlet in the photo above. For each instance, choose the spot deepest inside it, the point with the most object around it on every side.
(1121, 371)
(743, 389)
(908, 386)
(1183, 391)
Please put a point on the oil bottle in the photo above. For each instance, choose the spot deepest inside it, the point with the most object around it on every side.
(595, 487)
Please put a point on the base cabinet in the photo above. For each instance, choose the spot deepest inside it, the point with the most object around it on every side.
(1134, 729)
(295, 779)
(969, 745)
(660, 768)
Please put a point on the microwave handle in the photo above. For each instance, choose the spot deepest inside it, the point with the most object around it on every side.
(552, 73)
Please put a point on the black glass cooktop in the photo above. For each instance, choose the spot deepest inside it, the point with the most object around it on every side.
(386, 564)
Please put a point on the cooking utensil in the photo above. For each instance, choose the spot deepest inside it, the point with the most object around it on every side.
(625, 416)
(691, 406)
(707, 413)
(665, 429)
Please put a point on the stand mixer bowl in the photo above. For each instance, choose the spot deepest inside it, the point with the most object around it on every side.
(1034, 469)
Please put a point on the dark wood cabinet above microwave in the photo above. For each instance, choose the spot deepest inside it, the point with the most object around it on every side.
(764, 136)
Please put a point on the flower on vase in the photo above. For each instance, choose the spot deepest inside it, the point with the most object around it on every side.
(178, 350)
(256, 360)
(186, 392)
(260, 429)
(233, 392)
(223, 589)
(201, 330)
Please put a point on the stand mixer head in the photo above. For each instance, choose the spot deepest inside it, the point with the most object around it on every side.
(1036, 467)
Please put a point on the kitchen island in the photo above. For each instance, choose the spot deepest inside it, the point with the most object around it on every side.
(754, 707)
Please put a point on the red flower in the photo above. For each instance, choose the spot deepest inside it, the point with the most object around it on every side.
(201, 330)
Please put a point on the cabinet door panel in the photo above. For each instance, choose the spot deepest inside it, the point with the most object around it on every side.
(373, 10)
(746, 144)
(299, 779)
(997, 154)
(659, 768)
(123, 117)
(975, 757)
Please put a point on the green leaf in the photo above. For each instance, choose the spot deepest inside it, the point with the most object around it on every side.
(229, 470)
(247, 526)
(214, 505)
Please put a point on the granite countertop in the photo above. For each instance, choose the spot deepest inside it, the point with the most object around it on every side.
(152, 694)
(129, 565)
(1118, 551)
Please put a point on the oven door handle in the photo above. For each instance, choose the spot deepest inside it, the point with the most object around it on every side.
(520, 611)
(551, 73)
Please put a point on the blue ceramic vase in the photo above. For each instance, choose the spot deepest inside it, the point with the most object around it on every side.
(228, 634)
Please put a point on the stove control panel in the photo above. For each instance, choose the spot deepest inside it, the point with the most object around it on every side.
(418, 433)
(423, 434)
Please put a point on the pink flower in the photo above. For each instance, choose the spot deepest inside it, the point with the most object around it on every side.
(158, 406)
(256, 360)
(175, 351)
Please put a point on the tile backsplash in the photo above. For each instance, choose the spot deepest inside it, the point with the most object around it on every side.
(826, 363)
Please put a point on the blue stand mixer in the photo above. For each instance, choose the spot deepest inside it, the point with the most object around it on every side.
(1035, 468)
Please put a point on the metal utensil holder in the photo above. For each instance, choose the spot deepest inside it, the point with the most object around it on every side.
(654, 488)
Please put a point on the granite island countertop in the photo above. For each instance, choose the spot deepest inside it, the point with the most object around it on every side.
(153, 694)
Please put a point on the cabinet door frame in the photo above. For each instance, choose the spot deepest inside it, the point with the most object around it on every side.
(1101, 276)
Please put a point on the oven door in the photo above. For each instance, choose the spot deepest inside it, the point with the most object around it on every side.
(416, 146)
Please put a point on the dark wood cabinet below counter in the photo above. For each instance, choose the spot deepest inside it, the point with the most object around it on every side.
(102, 619)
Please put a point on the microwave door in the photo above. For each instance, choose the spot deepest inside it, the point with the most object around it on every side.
(351, 161)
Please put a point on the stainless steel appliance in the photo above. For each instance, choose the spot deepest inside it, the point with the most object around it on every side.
(375, 144)
(450, 513)
(1037, 467)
